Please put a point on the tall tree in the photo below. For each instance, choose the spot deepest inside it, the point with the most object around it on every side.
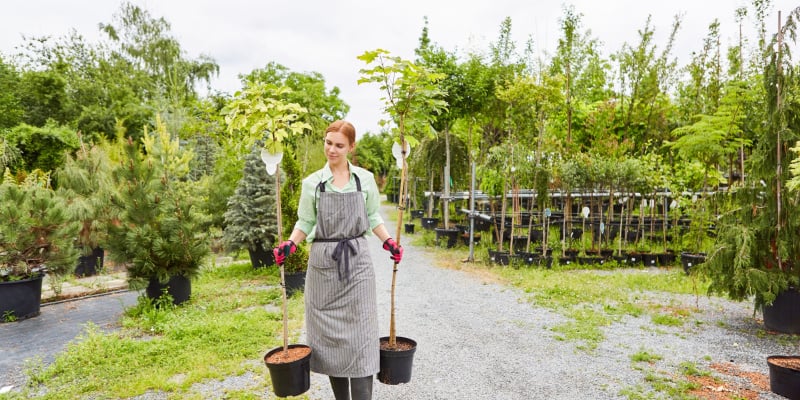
(645, 77)
(11, 110)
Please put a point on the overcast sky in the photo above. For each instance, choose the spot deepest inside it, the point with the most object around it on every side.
(326, 36)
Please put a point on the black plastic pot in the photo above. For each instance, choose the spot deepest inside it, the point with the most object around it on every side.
(451, 235)
(635, 259)
(650, 259)
(295, 282)
(429, 223)
(783, 316)
(409, 228)
(783, 380)
(179, 287)
(689, 260)
(665, 259)
(482, 225)
(589, 260)
(528, 258)
(292, 378)
(90, 265)
(261, 257)
(476, 238)
(499, 257)
(396, 365)
(20, 299)
(567, 260)
(417, 213)
(621, 260)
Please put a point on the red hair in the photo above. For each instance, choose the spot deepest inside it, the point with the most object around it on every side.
(343, 127)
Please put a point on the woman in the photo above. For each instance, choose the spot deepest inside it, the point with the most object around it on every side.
(338, 206)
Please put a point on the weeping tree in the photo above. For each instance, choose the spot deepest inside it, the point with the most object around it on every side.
(756, 252)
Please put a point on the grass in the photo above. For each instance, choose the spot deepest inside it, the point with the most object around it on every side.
(645, 356)
(592, 299)
(233, 319)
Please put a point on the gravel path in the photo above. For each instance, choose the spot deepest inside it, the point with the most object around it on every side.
(481, 340)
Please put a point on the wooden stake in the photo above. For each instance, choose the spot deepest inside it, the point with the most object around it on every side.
(283, 276)
(400, 209)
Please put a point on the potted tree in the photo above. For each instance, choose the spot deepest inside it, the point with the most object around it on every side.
(158, 231)
(756, 253)
(84, 180)
(36, 237)
(251, 218)
(412, 98)
(261, 113)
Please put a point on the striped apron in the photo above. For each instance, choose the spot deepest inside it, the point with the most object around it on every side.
(341, 311)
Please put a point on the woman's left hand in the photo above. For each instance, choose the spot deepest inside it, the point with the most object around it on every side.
(392, 247)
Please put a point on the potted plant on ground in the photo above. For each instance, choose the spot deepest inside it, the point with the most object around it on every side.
(756, 254)
(84, 180)
(251, 218)
(36, 237)
(158, 232)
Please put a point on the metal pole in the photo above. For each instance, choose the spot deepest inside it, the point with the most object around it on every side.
(472, 215)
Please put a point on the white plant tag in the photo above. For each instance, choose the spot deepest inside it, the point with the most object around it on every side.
(271, 160)
(398, 155)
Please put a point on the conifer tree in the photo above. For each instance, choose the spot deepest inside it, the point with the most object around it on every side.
(158, 231)
(251, 220)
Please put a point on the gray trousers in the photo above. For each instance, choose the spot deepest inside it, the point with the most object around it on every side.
(359, 388)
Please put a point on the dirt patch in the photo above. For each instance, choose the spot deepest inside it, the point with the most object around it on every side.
(731, 383)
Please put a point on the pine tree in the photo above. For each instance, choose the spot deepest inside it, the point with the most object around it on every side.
(251, 219)
(159, 231)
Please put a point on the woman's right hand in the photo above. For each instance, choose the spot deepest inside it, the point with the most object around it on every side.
(284, 249)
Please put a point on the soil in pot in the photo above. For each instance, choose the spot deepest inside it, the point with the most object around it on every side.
(289, 370)
(397, 362)
(784, 375)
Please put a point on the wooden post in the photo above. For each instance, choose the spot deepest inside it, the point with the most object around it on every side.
(400, 209)
(283, 277)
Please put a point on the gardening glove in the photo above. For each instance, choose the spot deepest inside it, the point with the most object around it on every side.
(283, 250)
(392, 247)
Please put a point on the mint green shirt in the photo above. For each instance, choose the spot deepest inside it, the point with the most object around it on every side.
(307, 209)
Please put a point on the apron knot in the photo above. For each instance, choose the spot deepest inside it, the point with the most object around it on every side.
(341, 254)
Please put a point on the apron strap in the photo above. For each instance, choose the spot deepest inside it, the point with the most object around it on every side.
(321, 185)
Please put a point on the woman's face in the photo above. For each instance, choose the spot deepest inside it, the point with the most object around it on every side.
(336, 147)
